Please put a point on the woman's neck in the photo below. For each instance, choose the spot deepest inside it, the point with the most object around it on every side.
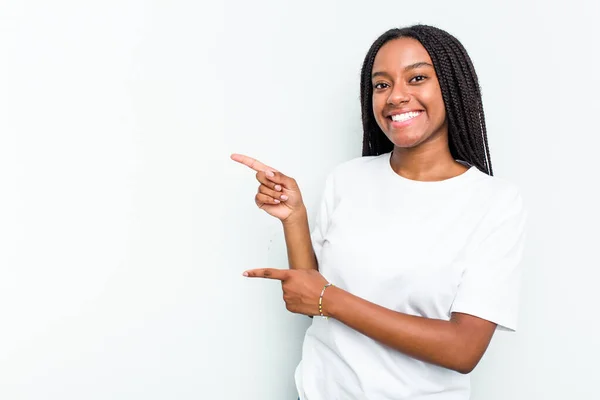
(425, 163)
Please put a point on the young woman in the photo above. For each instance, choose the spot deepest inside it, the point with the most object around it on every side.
(413, 262)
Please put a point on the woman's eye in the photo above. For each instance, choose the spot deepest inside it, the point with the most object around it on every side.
(380, 85)
(418, 78)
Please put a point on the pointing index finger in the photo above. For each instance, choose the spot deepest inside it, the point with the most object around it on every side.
(269, 273)
(251, 163)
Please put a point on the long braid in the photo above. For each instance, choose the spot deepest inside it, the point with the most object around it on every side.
(374, 142)
(467, 134)
(482, 139)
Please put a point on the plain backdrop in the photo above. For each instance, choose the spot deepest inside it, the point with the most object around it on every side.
(124, 226)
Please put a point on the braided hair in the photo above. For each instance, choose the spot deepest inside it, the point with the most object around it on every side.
(467, 136)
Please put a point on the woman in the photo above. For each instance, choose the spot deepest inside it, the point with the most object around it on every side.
(413, 261)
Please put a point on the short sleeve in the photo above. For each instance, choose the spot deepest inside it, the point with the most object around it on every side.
(324, 212)
(490, 284)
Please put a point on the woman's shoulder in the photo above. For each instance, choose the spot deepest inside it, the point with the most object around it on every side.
(358, 166)
(497, 186)
(502, 195)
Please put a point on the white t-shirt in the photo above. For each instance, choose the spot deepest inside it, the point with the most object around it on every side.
(420, 248)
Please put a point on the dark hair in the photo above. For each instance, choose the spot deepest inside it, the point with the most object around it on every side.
(467, 136)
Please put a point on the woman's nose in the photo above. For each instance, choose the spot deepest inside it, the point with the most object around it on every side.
(398, 96)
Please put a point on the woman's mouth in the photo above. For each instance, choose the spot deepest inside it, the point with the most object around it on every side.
(404, 119)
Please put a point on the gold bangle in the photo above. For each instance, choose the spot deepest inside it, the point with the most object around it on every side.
(321, 299)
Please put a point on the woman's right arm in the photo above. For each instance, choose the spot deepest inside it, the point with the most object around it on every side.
(300, 251)
(279, 196)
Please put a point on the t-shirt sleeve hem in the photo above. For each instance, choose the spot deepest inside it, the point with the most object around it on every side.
(503, 321)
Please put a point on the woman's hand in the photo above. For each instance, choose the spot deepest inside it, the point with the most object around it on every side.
(301, 288)
(278, 195)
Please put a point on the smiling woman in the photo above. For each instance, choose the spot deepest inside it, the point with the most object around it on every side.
(414, 258)
(399, 75)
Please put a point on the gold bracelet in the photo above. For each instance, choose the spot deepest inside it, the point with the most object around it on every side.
(321, 299)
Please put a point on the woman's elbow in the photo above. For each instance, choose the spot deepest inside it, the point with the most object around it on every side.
(466, 364)
(466, 369)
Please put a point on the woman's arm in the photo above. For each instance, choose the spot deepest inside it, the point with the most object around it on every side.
(457, 344)
(297, 239)
(279, 196)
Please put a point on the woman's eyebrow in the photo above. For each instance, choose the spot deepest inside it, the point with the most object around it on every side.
(407, 68)
(380, 73)
(418, 65)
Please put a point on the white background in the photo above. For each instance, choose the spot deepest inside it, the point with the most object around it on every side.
(124, 226)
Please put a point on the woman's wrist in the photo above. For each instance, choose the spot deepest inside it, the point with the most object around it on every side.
(298, 218)
(331, 300)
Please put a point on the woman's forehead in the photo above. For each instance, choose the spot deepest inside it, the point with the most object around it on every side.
(401, 52)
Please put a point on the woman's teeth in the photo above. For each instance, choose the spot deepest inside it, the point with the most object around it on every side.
(405, 116)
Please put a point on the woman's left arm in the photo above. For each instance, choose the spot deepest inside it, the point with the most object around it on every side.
(457, 344)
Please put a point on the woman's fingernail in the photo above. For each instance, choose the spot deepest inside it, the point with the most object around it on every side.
(276, 201)
(270, 174)
(245, 274)
(284, 197)
(278, 188)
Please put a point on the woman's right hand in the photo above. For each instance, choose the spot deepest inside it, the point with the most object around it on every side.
(278, 194)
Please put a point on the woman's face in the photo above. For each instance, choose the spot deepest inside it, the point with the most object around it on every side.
(407, 100)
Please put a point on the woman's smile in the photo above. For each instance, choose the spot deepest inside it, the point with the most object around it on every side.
(400, 119)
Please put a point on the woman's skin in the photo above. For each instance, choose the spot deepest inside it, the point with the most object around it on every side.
(404, 80)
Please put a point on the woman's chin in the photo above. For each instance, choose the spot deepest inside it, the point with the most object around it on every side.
(405, 142)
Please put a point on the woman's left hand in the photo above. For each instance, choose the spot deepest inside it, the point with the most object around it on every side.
(301, 288)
